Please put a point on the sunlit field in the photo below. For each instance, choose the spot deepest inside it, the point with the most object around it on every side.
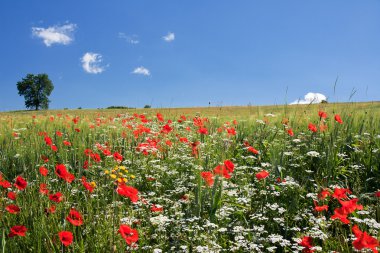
(302, 178)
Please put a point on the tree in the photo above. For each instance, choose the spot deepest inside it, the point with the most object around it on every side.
(36, 89)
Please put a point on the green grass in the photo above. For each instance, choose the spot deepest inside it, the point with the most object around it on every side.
(239, 214)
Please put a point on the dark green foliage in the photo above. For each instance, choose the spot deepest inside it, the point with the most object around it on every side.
(36, 89)
(119, 107)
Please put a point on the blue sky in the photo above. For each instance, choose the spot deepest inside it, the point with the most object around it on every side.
(189, 53)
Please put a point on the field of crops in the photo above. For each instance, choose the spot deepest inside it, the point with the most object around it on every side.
(227, 179)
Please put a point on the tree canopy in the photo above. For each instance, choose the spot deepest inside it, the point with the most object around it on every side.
(36, 89)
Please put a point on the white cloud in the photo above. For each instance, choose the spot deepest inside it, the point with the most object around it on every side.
(169, 37)
(55, 34)
(310, 98)
(91, 63)
(141, 71)
(132, 39)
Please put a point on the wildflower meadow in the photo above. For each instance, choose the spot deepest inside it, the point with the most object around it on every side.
(251, 179)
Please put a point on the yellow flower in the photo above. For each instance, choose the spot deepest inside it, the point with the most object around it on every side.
(120, 180)
(93, 184)
(125, 180)
(113, 176)
(132, 176)
(106, 171)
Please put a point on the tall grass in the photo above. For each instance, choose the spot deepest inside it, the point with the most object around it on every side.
(177, 210)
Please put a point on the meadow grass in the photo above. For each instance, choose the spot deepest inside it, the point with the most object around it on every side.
(190, 197)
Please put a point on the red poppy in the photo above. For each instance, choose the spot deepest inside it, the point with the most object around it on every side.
(203, 130)
(20, 183)
(43, 189)
(14, 209)
(12, 195)
(350, 205)
(118, 157)
(183, 139)
(307, 243)
(320, 208)
(166, 129)
(58, 133)
(197, 122)
(324, 193)
(51, 209)
(208, 177)
(48, 141)
(130, 235)
(155, 208)
(5, 184)
(42, 134)
(18, 230)
(312, 127)
(221, 170)
(54, 148)
(290, 132)
(364, 240)
(106, 152)
(194, 148)
(128, 191)
(87, 185)
(57, 197)
(75, 218)
(377, 194)
(253, 150)
(61, 171)
(66, 237)
(280, 180)
(88, 152)
(66, 143)
(338, 119)
(96, 157)
(43, 171)
(229, 166)
(231, 131)
(340, 193)
(160, 117)
(322, 114)
(262, 174)
(86, 165)
(340, 214)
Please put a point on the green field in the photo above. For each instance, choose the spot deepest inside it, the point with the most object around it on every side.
(206, 179)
